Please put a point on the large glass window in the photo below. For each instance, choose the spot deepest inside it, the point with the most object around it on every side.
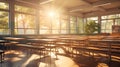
(24, 24)
(106, 26)
(24, 9)
(73, 25)
(4, 5)
(80, 25)
(45, 25)
(24, 20)
(56, 24)
(64, 26)
(4, 19)
(49, 22)
(93, 18)
(117, 21)
(108, 21)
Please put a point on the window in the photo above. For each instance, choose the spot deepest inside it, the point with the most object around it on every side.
(4, 5)
(4, 19)
(117, 21)
(80, 25)
(24, 20)
(73, 25)
(24, 9)
(24, 24)
(108, 21)
(93, 19)
(49, 22)
(64, 26)
(56, 26)
(45, 25)
(106, 26)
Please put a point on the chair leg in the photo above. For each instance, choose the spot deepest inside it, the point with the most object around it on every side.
(1, 57)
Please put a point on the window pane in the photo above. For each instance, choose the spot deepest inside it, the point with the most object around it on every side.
(4, 22)
(30, 31)
(45, 25)
(64, 24)
(44, 31)
(104, 17)
(19, 31)
(106, 25)
(55, 31)
(24, 9)
(117, 15)
(72, 18)
(73, 31)
(109, 24)
(64, 31)
(24, 31)
(24, 24)
(111, 16)
(24, 21)
(80, 25)
(92, 18)
(64, 16)
(4, 31)
(103, 24)
(55, 24)
(72, 24)
(3, 5)
(117, 21)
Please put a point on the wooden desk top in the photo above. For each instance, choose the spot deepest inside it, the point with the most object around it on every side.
(30, 46)
(2, 41)
(13, 38)
(105, 40)
(42, 39)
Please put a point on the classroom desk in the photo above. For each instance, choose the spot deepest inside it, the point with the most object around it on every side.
(49, 44)
(109, 45)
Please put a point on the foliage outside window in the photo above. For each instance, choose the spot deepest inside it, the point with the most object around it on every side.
(24, 20)
(4, 18)
(49, 24)
(57, 24)
(24, 9)
(91, 27)
(4, 5)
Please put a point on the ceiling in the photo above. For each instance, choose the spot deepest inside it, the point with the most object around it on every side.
(82, 7)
